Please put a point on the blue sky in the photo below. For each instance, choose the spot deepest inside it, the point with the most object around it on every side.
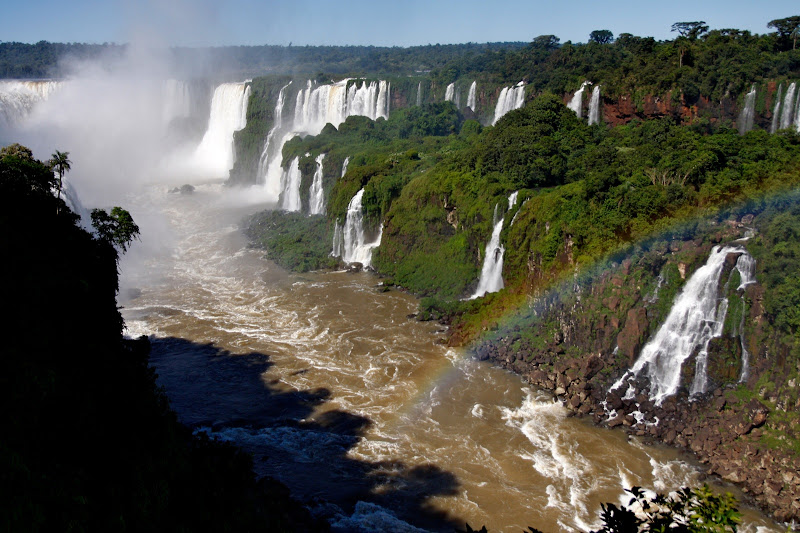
(361, 22)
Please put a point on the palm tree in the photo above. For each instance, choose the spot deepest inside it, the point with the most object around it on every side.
(61, 164)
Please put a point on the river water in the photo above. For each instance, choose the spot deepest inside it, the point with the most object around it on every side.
(355, 406)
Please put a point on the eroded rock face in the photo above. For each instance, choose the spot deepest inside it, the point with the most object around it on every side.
(608, 322)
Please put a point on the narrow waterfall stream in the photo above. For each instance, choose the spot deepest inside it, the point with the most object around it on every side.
(355, 406)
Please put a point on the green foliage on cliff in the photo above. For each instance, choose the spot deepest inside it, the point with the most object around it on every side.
(89, 442)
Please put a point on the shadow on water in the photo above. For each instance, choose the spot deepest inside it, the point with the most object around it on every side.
(228, 396)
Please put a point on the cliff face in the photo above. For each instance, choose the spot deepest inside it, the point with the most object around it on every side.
(578, 341)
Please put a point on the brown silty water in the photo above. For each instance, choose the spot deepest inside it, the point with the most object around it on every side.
(352, 404)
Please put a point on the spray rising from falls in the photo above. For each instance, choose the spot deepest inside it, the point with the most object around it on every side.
(594, 106)
(471, 96)
(18, 98)
(576, 104)
(316, 197)
(747, 115)
(491, 279)
(510, 98)
(697, 316)
(316, 106)
(350, 243)
(228, 114)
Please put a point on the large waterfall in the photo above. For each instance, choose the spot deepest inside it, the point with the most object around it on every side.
(228, 114)
(17, 98)
(268, 153)
(776, 111)
(697, 316)
(316, 106)
(471, 95)
(745, 122)
(491, 279)
(594, 106)
(316, 197)
(576, 104)
(350, 242)
(788, 107)
(510, 98)
(290, 197)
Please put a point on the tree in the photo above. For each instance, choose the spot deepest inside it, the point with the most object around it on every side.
(117, 229)
(61, 164)
(546, 42)
(788, 28)
(601, 37)
(691, 30)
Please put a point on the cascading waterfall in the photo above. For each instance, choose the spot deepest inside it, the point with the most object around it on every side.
(471, 96)
(290, 197)
(594, 106)
(316, 198)
(449, 93)
(746, 266)
(491, 279)
(349, 242)
(788, 106)
(748, 112)
(419, 94)
(344, 165)
(228, 114)
(776, 110)
(697, 316)
(316, 106)
(510, 98)
(264, 160)
(576, 104)
(18, 98)
(177, 100)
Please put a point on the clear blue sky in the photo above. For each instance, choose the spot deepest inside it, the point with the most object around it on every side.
(362, 22)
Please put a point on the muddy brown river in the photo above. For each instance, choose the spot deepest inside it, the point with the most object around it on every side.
(354, 406)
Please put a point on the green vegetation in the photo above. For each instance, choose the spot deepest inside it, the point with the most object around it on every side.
(89, 442)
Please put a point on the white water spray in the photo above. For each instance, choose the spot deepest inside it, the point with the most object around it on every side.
(316, 198)
(228, 114)
(510, 98)
(776, 110)
(788, 106)
(471, 95)
(576, 104)
(747, 115)
(18, 98)
(696, 317)
(594, 106)
(349, 242)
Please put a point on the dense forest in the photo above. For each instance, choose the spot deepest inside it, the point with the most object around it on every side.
(603, 224)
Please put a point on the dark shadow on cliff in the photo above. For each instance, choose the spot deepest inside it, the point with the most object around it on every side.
(293, 437)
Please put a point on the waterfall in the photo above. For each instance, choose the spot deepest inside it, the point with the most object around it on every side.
(337, 249)
(18, 98)
(316, 106)
(264, 160)
(491, 279)
(228, 114)
(471, 96)
(290, 197)
(510, 98)
(748, 113)
(776, 110)
(316, 198)
(576, 104)
(746, 266)
(594, 106)
(788, 107)
(449, 93)
(344, 165)
(419, 94)
(512, 199)
(349, 242)
(697, 316)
